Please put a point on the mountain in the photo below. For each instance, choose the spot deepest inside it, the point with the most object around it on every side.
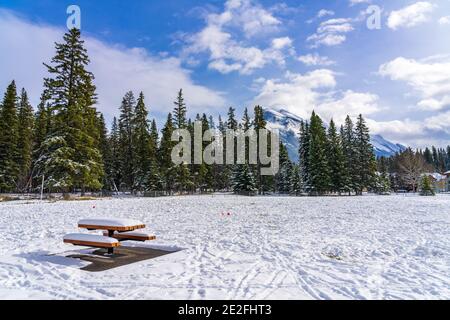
(288, 125)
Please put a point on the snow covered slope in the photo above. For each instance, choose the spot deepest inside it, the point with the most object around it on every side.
(370, 247)
(288, 125)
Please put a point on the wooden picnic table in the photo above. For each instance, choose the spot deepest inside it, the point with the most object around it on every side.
(111, 226)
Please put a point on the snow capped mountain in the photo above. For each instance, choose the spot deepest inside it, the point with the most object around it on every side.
(288, 125)
(384, 148)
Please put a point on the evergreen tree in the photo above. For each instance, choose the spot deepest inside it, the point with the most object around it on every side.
(115, 177)
(319, 171)
(179, 113)
(284, 176)
(105, 150)
(70, 156)
(126, 143)
(25, 140)
(9, 135)
(304, 142)
(168, 169)
(244, 180)
(336, 160)
(142, 145)
(264, 183)
(348, 146)
(426, 187)
(183, 181)
(296, 180)
(365, 157)
(154, 181)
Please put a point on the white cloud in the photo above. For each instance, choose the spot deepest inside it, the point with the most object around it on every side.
(315, 90)
(316, 60)
(323, 13)
(444, 20)
(410, 16)
(355, 2)
(226, 53)
(331, 32)
(280, 43)
(430, 78)
(117, 69)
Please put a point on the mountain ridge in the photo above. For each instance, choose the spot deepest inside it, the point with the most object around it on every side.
(288, 125)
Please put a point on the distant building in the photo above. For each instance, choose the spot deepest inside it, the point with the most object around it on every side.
(441, 182)
(447, 185)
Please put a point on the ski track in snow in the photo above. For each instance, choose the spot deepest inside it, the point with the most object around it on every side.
(394, 247)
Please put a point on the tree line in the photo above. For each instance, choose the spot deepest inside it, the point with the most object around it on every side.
(66, 146)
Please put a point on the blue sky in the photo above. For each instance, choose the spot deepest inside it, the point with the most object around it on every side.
(296, 55)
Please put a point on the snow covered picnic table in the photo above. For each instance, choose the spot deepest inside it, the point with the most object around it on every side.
(116, 230)
(120, 225)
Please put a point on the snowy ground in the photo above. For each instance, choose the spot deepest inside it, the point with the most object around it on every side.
(394, 247)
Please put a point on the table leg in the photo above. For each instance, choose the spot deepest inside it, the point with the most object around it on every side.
(110, 234)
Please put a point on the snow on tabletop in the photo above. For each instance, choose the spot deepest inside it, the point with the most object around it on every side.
(370, 247)
(110, 222)
(89, 238)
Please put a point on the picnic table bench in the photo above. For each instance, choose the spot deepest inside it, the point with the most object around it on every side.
(115, 231)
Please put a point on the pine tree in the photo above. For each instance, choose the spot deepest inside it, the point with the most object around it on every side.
(365, 157)
(154, 181)
(9, 135)
(142, 145)
(264, 183)
(179, 113)
(42, 124)
(115, 177)
(304, 142)
(244, 180)
(336, 160)
(126, 143)
(349, 148)
(283, 178)
(183, 181)
(25, 140)
(319, 173)
(70, 156)
(168, 169)
(296, 180)
(105, 150)
(426, 187)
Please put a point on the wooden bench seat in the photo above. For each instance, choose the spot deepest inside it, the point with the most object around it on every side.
(132, 235)
(90, 240)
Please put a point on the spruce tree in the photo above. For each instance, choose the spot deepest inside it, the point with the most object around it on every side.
(319, 172)
(142, 145)
(70, 156)
(183, 181)
(304, 142)
(154, 181)
(126, 143)
(179, 113)
(168, 169)
(264, 183)
(105, 150)
(284, 176)
(296, 180)
(336, 160)
(244, 180)
(25, 140)
(365, 157)
(349, 148)
(115, 177)
(426, 187)
(9, 137)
